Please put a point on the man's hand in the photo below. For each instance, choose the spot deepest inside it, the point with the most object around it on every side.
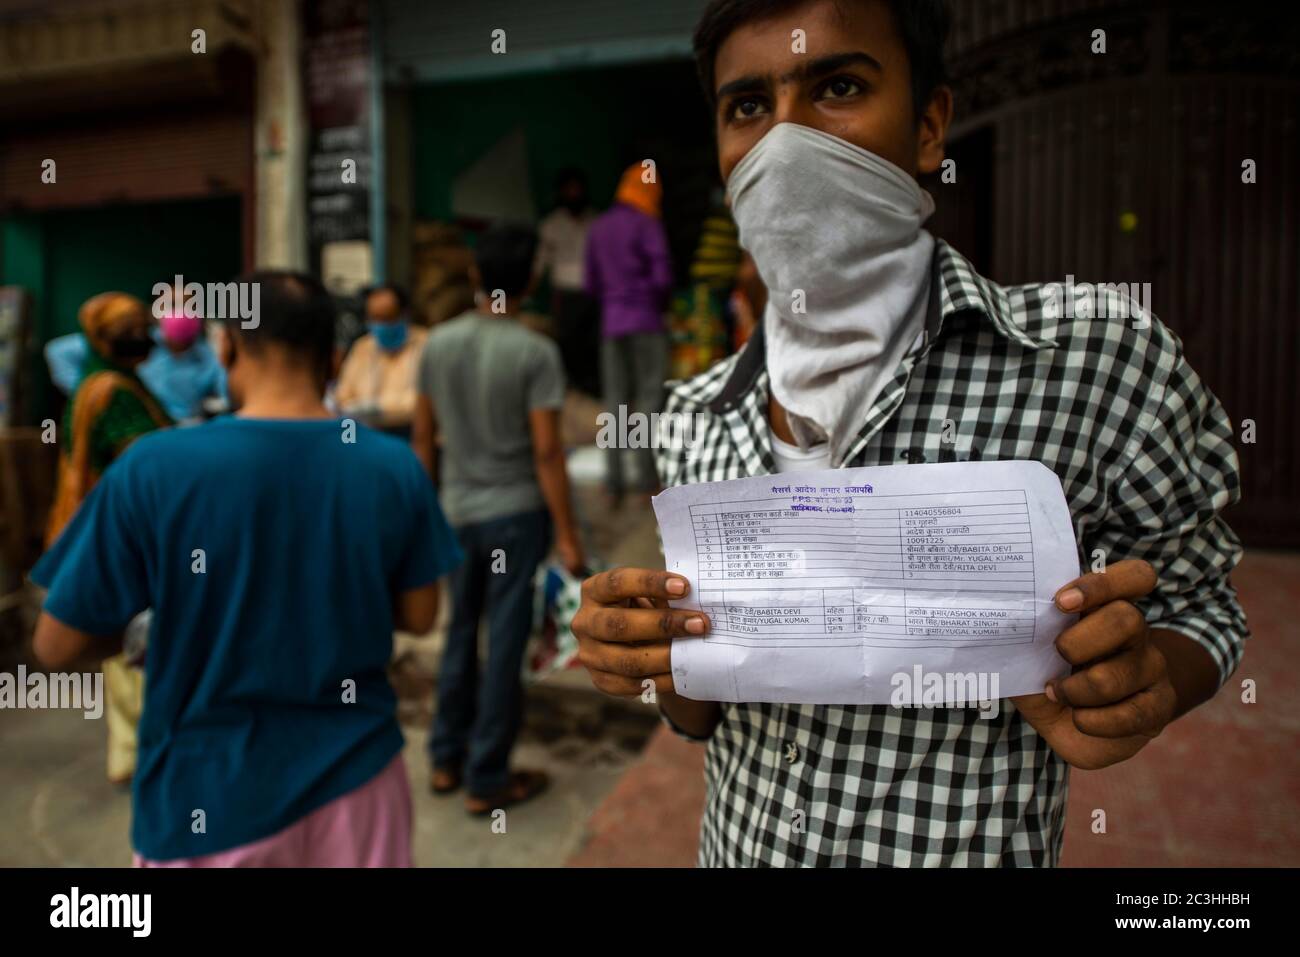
(571, 555)
(1119, 695)
(625, 628)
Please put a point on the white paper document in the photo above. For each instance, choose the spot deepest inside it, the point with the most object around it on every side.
(872, 585)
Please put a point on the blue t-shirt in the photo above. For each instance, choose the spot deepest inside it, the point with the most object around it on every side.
(270, 552)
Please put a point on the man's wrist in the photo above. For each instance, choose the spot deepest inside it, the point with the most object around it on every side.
(1191, 670)
(693, 719)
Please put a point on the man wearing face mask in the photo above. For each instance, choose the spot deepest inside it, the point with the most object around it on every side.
(874, 338)
(377, 380)
(183, 371)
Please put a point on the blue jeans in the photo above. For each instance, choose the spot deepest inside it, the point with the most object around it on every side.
(479, 717)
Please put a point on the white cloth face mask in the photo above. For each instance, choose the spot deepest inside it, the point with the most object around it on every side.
(835, 232)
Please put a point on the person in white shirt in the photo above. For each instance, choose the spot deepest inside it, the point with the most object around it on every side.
(561, 248)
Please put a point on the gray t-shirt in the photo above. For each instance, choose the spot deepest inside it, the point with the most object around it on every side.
(484, 374)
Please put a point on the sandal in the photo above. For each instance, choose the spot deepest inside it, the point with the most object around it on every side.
(445, 780)
(522, 786)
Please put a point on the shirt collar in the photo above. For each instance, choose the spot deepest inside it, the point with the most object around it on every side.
(960, 289)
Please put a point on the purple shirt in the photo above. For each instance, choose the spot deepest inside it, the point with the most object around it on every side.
(628, 270)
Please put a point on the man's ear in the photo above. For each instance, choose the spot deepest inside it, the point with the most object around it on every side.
(933, 133)
(225, 346)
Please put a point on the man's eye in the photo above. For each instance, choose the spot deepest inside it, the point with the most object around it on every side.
(841, 86)
(745, 108)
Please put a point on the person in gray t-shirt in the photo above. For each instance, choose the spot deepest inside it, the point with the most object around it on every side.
(493, 390)
(485, 375)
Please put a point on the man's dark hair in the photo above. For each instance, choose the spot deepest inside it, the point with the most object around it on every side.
(504, 256)
(922, 24)
(570, 174)
(403, 300)
(294, 312)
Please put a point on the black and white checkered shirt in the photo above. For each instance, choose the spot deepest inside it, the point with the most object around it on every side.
(1144, 452)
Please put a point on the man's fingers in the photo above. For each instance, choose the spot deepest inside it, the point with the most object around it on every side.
(1131, 579)
(632, 661)
(623, 686)
(1104, 632)
(1146, 713)
(1111, 680)
(619, 584)
(638, 624)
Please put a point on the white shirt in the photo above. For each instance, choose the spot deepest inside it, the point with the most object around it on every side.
(562, 244)
(791, 458)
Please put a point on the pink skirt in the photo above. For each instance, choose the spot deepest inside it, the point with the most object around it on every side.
(367, 827)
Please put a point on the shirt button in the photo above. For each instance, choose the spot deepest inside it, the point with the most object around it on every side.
(791, 754)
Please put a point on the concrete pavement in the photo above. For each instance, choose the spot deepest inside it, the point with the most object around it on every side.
(58, 808)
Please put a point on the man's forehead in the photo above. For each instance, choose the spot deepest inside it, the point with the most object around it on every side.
(767, 47)
(381, 298)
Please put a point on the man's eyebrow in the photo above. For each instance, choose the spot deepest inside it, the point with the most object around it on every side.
(817, 68)
(745, 84)
(834, 61)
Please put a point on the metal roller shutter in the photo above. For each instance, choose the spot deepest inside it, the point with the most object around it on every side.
(167, 156)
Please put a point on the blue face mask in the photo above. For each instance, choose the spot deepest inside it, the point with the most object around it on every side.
(391, 336)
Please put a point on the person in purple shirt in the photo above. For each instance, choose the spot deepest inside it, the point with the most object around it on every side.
(629, 272)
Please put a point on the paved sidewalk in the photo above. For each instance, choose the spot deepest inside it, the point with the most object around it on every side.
(1220, 788)
(59, 810)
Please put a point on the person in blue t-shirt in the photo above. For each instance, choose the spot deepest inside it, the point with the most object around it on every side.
(278, 548)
